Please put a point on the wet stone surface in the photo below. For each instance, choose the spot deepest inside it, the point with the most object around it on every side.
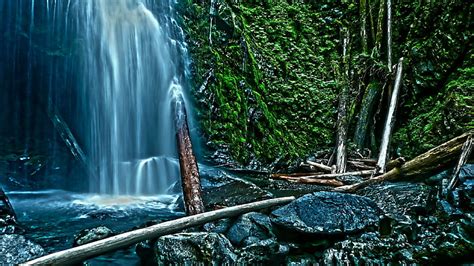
(328, 213)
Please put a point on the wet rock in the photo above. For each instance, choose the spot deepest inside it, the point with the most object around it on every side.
(16, 249)
(90, 235)
(328, 213)
(369, 249)
(221, 226)
(189, 248)
(267, 251)
(249, 228)
(301, 260)
(222, 189)
(400, 200)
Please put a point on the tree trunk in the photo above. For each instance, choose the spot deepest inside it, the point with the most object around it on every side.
(367, 109)
(87, 251)
(363, 25)
(342, 125)
(187, 161)
(420, 166)
(68, 138)
(389, 35)
(389, 123)
(466, 152)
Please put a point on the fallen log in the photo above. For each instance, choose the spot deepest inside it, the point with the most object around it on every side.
(277, 175)
(190, 180)
(426, 163)
(390, 122)
(87, 251)
(320, 166)
(328, 176)
(466, 151)
(306, 180)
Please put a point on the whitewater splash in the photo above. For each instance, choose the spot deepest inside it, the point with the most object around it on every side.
(134, 63)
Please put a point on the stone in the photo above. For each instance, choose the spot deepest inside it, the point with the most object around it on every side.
(220, 226)
(16, 249)
(267, 251)
(189, 249)
(250, 226)
(327, 213)
(90, 235)
(368, 249)
(223, 189)
(400, 200)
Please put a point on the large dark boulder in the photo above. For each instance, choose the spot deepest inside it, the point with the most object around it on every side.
(223, 189)
(16, 249)
(188, 248)
(400, 200)
(327, 213)
(250, 227)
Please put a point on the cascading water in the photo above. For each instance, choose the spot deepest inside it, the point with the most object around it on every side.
(110, 69)
(135, 64)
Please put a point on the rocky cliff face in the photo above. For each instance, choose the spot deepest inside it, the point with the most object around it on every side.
(268, 74)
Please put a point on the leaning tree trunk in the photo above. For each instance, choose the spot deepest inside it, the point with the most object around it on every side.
(389, 123)
(187, 162)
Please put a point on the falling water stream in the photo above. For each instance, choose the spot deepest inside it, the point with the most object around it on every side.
(135, 62)
(113, 69)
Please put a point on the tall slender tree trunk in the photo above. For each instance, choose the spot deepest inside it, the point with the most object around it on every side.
(342, 119)
(389, 35)
(389, 123)
(363, 25)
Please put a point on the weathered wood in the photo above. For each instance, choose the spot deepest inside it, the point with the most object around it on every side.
(420, 166)
(328, 176)
(306, 180)
(190, 181)
(320, 166)
(465, 153)
(389, 123)
(278, 175)
(68, 138)
(342, 119)
(87, 251)
(389, 35)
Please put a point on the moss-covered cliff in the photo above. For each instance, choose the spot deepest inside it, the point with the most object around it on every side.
(277, 72)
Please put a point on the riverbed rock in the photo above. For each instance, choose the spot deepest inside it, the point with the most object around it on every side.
(400, 200)
(369, 249)
(249, 228)
(16, 249)
(189, 249)
(223, 189)
(267, 251)
(327, 213)
(90, 235)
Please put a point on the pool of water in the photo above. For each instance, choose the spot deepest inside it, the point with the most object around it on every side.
(53, 217)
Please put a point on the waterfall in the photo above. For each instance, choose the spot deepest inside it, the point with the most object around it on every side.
(134, 62)
(111, 69)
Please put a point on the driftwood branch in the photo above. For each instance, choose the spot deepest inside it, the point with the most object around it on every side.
(190, 181)
(466, 151)
(424, 164)
(308, 180)
(87, 251)
(320, 166)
